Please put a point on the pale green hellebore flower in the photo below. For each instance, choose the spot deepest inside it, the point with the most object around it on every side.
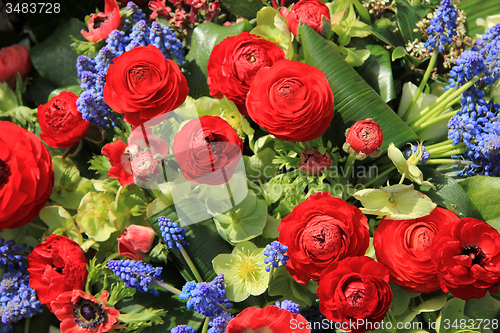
(396, 202)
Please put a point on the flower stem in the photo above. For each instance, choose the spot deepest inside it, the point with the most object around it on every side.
(437, 145)
(380, 176)
(420, 128)
(450, 152)
(447, 161)
(205, 325)
(444, 148)
(349, 164)
(191, 265)
(427, 74)
(167, 287)
(27, 325)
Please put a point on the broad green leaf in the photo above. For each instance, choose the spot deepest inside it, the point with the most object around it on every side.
(483, 194)
(54, 59)
(60, 222)
(476, 9)
(407, 20)
(204, 241)
(484, 308)
(74, 89)
(382, 29)
(69, 188)
(354, 57)
(354, 98)
(283, 284)
(377, 71)
(205, 37)
(448, 193)
(246, 8)
(453, 310)
(271, 228)
(400, 299)
(8, 99)
(272, 27)
(433, 304)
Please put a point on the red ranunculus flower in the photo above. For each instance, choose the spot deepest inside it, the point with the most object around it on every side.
(136, 241)
(56, 265)
(101, 24)
(270, 319)
(466, 255)
(313, 162)
(319, 231)
(61, 123)
(235, 61)
(121, 155)
(355, 288)
(208, 150)
(291, 100)
(26, 176)
(308, 12)
(13, 59)
(142, 84)
(404, 247)
(365, 136)
(80, 312)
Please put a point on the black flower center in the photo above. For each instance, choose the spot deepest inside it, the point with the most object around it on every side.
(474, 252)
(4, 173)
(87, 314)
(98, 21)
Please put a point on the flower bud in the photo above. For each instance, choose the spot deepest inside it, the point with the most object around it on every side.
(364, 138)
(313, 162)
(101, 24)
(13, 59)
(310, 12)
(135, 241)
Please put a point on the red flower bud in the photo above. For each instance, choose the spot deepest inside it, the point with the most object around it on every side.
(13, 59)
(310, 12)
(313, 162)
(135, 241)
(364, 137)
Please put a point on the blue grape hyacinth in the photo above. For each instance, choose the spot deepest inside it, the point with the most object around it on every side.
(443, 26)
(183, 329)
(136, 274)
(219, 324)
(288, 305)
(172, 233)
(207, 298)
(275, 255)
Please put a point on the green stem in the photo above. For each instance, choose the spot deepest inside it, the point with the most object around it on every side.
(191, 265)
(117, 198)
(167, 287)
(427, 74)
(451, 152)
(36, 226)
(349, 164)
(380, 176)
(205, 325)
(424, 110)
(420, 128)
(445, 161)
(441, 106)
(446, 148)
(439, 144)
(27, 325)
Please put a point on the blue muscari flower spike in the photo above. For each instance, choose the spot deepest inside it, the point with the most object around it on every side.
(425, 153)
(17, 299)
(172, 233)
(275, 253)
(92, 72)
(219, 324)
(183, 329)
(12, 255)
(443, 26)
(136, 274)
(289, 306)
(207, 298)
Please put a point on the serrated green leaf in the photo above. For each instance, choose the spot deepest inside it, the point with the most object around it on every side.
(354, 98)
(283, 284)
(484, 308)
(400, 300)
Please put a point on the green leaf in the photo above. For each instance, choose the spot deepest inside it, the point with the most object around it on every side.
(398, 52)
(69, 188)
(8, 99)
(453, 310)
(54, 59)
(205, 37)
(483, 194)
(400, 299)
(407, 20)
(484, 308)
(354, 98)
(247, 8)
(382, 29)
(448, 193)
(272, 27)
(204, 241)
(377, 71)
(74, 89)
(476, 9)
(60, 222)
(283, 284)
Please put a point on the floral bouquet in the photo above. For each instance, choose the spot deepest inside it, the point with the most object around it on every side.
(239, 166)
